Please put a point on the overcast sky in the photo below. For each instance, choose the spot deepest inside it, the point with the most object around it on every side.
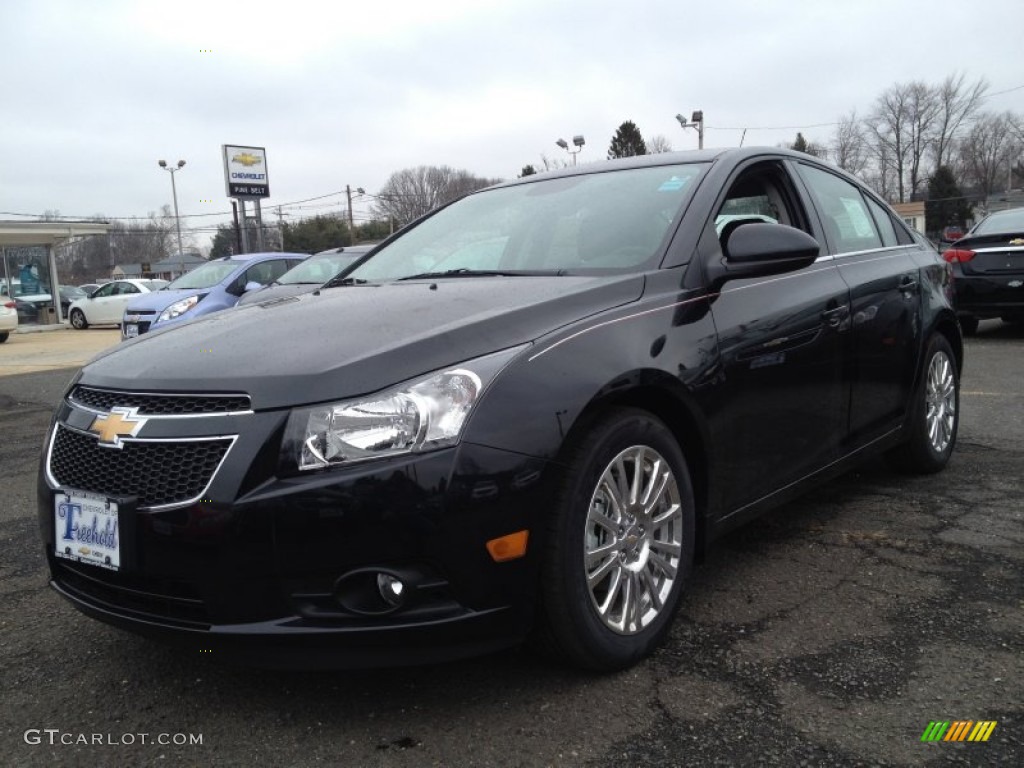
(94, 93)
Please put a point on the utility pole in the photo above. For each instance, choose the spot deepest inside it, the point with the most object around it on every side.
(351, 224)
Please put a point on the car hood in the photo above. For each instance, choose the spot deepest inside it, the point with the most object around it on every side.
(348, 341)
(158, 301)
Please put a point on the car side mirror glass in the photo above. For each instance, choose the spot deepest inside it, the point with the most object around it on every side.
(252, 285)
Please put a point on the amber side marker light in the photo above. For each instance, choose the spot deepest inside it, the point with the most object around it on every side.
(508, 547)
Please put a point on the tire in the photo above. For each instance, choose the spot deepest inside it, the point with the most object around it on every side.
(605, 613)
(78, 320)
(935, 412)
(4, 335)
(968, 324)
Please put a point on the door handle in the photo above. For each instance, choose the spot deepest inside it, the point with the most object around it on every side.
(834, 317)
(908, 285)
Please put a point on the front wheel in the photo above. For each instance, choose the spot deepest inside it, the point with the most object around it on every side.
(3, 336)
(78, 320)
(935, 412)
(620, 544)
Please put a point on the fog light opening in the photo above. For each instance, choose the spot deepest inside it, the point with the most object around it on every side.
(391, 589)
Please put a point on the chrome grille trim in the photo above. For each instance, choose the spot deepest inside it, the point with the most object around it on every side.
(57, 485)
(139, 400)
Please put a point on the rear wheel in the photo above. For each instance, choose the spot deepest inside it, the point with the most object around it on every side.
(78, 320)
(3, 336)
(620, 545)
(935, 412)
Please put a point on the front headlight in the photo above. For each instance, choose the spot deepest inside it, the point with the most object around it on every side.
(421, 415)
(178, 308)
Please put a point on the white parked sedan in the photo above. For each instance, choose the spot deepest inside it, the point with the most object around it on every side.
(106, 304)
(8, 317)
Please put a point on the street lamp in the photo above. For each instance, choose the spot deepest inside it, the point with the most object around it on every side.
(174, 191)
(697, 123)
(351, 223)
(578, 141)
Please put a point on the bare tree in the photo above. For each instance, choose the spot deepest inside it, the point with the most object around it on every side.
(989, 151)
(413, 192)
(922, 110)
(888, 131)
(958, 101)
(658, 144)
(849, 146)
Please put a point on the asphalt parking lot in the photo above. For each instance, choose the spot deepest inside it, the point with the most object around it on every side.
(830, 632)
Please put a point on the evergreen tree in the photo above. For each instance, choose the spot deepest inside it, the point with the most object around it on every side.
(528, 170)
(800, 145)
(946, 204)
(627, 142)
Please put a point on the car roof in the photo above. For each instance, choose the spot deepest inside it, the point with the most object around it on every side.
(733, 155)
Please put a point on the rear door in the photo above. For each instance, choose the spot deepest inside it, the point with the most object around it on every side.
(874, 254)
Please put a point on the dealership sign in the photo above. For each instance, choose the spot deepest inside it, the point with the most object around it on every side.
(245, 171)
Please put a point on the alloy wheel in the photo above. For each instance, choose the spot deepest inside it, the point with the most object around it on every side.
(634, 539)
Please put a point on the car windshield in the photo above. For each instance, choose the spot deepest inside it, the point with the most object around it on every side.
(205, 276)
(597, 223)
(1004, 221)
(318, 269)
(71, 292)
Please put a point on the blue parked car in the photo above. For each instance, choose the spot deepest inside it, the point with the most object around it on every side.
(214, 286)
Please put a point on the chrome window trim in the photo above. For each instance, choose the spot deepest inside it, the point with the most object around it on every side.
(56, 486)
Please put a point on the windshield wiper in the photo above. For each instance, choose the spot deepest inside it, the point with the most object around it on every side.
(334, 282)
(465, 272)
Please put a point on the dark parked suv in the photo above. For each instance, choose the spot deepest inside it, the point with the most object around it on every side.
(524, 415)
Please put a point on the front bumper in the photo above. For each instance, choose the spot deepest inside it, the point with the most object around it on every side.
(270, 570)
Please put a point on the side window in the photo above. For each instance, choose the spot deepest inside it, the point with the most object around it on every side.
(275, 269)
(106, 290)
(761, 193)
(844, 214)
(885, 227)
(127, 288)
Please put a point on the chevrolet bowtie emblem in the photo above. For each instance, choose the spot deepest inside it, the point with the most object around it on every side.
(120, 422)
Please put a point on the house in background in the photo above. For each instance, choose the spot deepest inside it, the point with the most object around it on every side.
(912, 214)
(168, 269)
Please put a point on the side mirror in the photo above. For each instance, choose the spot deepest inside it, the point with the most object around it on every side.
(252, 285)
(756, 249)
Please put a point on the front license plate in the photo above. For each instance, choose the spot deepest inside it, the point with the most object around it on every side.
(86, 529)
(131, 331)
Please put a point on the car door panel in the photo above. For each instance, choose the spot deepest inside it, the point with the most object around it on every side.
(885, 302)
(782, 350)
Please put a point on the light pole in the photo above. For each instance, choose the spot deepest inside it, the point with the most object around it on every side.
(578, 141)
(174, 191)
(697, 123)
(351, 223)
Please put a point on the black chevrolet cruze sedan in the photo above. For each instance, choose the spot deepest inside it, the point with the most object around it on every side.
(523, 416)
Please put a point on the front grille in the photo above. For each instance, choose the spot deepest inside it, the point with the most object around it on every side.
(151, 404)
(148, 596)
(157, 473)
